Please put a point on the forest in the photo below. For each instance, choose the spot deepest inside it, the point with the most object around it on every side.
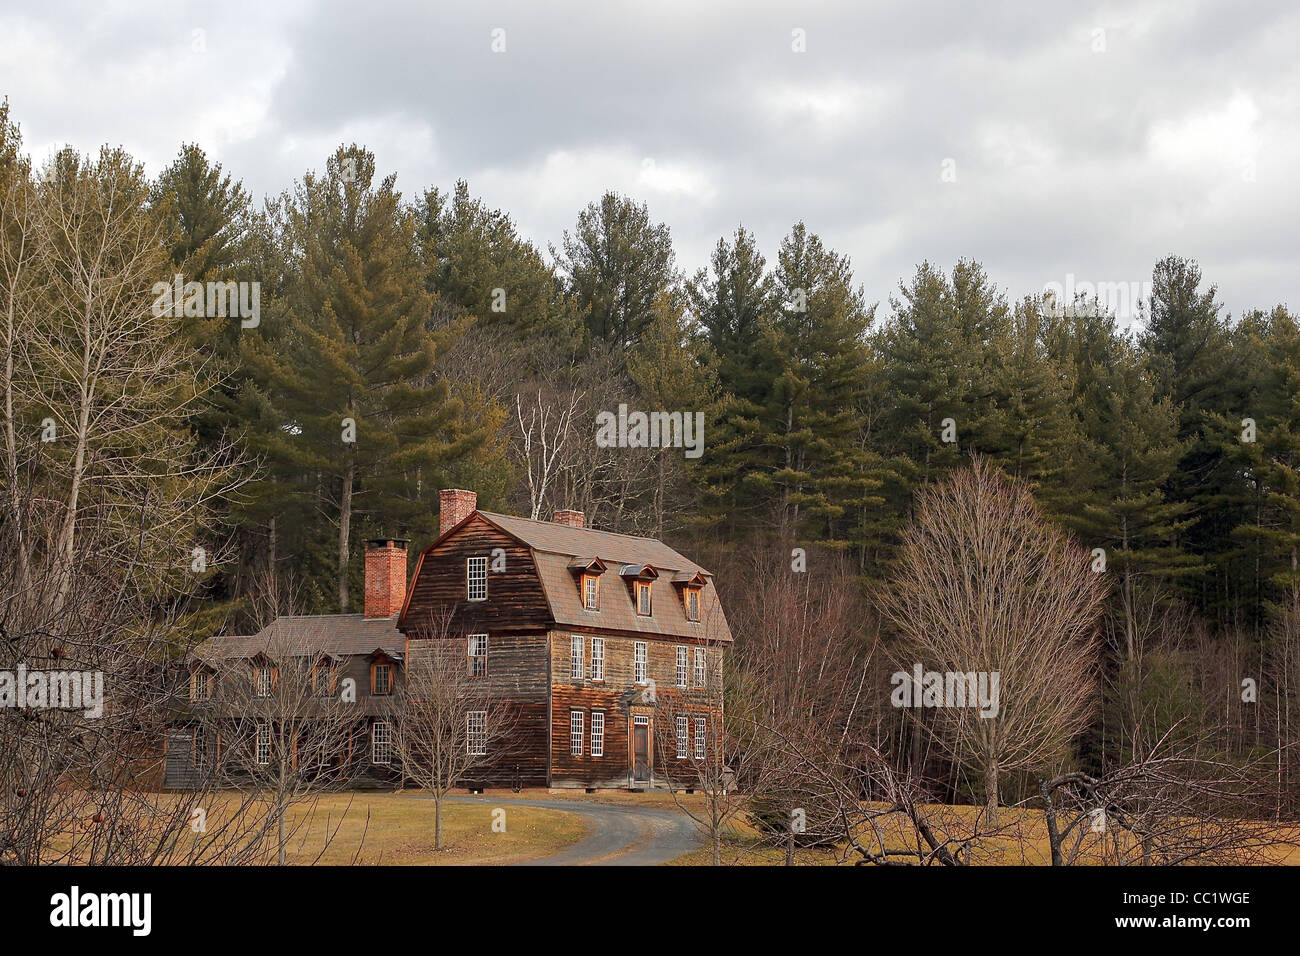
(408, 340)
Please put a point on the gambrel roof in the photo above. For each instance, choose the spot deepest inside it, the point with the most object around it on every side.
(560, 551)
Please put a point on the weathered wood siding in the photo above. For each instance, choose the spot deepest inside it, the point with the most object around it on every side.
(613, 696)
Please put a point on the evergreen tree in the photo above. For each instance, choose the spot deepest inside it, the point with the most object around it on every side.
(617, 261)
(478, 264)
(366, 428)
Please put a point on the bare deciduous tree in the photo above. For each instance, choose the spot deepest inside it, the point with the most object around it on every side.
(985, 585)
(450, 724)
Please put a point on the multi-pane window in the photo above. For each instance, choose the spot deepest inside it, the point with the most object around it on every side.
(681, 666)
(381, 679)
(643, 598)
(576, 655)
(701, 726)
(201, 685)
(597, 733)
(320, 680)
(575, 733)
(700, 671)
(590, 592)
(262, 682)
(263, 743)
(597, 658)
(476, 733)
(692, 604)
(639, 661)
(381, 742)
(478, 655)
(682, 728)
(200, 745)
(476, 578)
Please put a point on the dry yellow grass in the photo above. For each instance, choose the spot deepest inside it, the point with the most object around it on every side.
(1021, 841)
(393, 829)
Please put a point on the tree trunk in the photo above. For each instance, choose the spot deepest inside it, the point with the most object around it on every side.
(991, 791)
(345, 530)
(437, 821)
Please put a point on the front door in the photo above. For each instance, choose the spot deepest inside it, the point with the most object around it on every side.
(641, 748)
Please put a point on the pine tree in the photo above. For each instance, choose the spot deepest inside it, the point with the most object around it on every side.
(364, 421)
(479, 265)
(617, 261)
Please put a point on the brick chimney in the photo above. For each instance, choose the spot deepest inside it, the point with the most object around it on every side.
(385, 576)
(454, 506)
(570, 519)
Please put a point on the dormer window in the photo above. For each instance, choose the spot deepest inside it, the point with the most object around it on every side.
(590, 592)
(692, 604)
(201, 684)
(381, 679)
(643, 602)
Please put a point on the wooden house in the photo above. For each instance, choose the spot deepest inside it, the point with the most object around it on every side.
(592, 638)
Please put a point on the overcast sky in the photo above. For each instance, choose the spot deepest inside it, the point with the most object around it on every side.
(1078, 138)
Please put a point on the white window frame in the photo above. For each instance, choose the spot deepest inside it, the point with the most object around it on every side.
(201, 684)
(575, 733)
(641, 662)
(258, 673)
(701, 667)
(681, 665)
(590, 592)
(475, 643)
(263, 743)
(476, 733)
(683, 728)
(381, 742)
(598, 658)
(577, 655)
(701, 730)
(476, 574)
(598, 733)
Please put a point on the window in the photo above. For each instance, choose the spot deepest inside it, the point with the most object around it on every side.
(590, 592)
(681, 666)
(692, 604)
(476, 733)
(381, 679)
(643, 598)
(476, 578)
(576, 654)
(597, 658)
(700, 667)
(701, 725)
(200, 745)
(201, 685)
(478, 655)
(681, 738)
(575, 733)
(639, 661)
(262, 681)
(597, 733)
(263, 744)
(321, 680)
(381, 742)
